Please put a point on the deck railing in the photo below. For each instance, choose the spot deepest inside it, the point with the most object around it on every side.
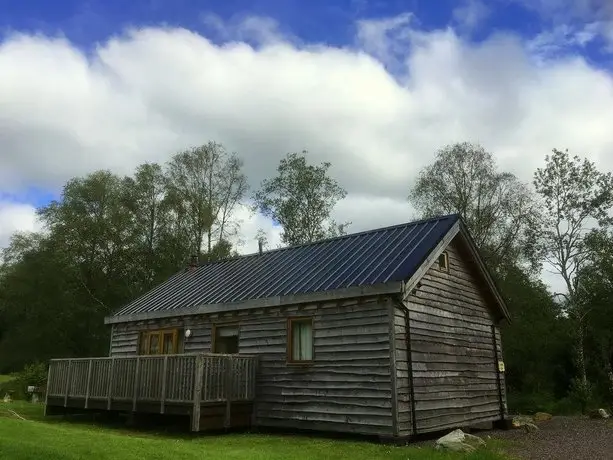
(186, 378)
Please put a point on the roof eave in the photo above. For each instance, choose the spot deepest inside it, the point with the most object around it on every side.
(392, 287)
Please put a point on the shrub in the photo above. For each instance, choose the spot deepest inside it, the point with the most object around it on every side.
(34, 374)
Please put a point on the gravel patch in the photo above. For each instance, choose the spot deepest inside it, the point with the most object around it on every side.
(562, 438)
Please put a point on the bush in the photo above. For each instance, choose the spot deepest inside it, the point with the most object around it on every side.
(530, 403)
(34, 374)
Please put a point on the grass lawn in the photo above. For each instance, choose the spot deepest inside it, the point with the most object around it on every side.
(55, 440)
(5, 378)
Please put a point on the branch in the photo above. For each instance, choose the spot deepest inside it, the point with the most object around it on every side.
(91, 294)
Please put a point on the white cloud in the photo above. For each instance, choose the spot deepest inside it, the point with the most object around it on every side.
(16, 217)
(143, 95)
(257, 29)
(470, 14)
(554, 42)
(574, 22)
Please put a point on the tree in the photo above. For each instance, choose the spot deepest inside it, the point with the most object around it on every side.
(575, 195)
(498, 209)
(156, 250)
(206, 185)
(535, 343)
(301, 198)
(596, 277)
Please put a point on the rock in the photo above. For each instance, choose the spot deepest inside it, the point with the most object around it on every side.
(600, 413)
(542, 417)
(527, 423)
(459, 441)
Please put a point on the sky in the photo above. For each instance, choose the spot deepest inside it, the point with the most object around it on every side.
(374, 87)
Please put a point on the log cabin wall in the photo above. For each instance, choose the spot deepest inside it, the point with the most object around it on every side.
(348, 387)
(454, 362)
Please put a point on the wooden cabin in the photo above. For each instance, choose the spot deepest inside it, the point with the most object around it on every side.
(390, 332)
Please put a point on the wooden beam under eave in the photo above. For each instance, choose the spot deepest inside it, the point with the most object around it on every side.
(393, 287)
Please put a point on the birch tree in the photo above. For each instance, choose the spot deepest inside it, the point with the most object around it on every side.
(207, 185)
(497, 208)
(576, 198)
(301, 198)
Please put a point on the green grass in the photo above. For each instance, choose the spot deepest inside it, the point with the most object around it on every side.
(5, 378)
(54, 440)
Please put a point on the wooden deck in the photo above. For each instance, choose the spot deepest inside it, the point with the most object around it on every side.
(216, 391)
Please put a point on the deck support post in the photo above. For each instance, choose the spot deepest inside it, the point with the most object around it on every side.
(68, 382)
(164, 378)
(229, 387)
(197, 392)
(136, 381)
(89, 381)
(48, 388)
(109, 387)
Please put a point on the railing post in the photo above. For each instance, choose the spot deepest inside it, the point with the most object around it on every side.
(164, 377)
(136, 379)
(48, 387)
(229, 387)
(109, 390)
(197, 392)
(89, 380)
(68, 382)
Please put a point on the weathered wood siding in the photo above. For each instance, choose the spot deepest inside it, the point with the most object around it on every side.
(124, 339)
(347, 388)
(452, 348)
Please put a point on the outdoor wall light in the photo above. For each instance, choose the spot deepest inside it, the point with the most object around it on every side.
(188, 333)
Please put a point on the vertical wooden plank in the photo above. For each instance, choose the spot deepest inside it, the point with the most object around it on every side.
(205, 379)
(197, 392)
(392, 368)
(68, 382)
(136, 381)
(109, 387)
(229, 383)
(88, 384)
(407, 321)
(112, 339)
(498, 382)
(164, 377)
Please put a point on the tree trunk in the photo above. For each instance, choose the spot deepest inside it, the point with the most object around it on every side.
(581, 355)
(610, 375)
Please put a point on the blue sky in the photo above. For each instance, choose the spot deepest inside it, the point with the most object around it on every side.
(86, 22)
(90, 102)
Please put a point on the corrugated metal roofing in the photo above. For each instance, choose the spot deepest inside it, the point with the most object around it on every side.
(360, 259)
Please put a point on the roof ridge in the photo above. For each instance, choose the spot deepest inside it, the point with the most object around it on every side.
(333, 238)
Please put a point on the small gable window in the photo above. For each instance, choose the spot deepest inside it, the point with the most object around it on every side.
(300, 340)
(443, 262)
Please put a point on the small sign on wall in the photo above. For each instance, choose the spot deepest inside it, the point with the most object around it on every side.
(500, 366)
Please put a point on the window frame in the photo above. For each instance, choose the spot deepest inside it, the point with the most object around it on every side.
(290, 340)
(445, 258)
(216, 326)
(145, 339)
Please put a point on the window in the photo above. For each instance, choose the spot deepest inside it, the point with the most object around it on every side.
(159, 342)
(225, 339)
(443, 262)
(300, 340)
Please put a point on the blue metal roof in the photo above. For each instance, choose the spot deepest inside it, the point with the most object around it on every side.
(359, 259)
